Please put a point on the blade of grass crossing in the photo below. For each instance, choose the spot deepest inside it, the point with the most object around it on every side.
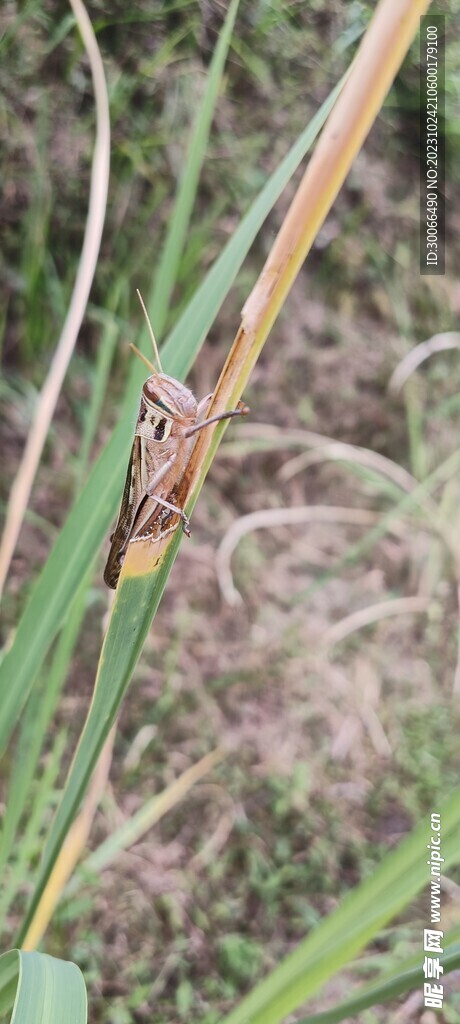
(141, 584)
(22, 771)
(38, 714)
(8, 980)
(29, 848)
(90, 517)
(192, 327)
(133, 828)
(42, 701)
(389, 985)
(135, 604)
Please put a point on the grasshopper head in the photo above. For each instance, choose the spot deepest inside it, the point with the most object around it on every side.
(169, 397)
(165, 401)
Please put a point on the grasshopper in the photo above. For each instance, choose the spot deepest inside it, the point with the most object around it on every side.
(169, 417)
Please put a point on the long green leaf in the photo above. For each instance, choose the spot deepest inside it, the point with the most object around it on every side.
(17, 873)
(177, 227)
(177, 232)
(390, 984)
(136, 600)
(43, 699)
(363, 912)
(35, 724)
(90, 517)
(39, 988)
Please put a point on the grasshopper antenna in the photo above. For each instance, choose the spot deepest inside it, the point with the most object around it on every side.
(147, 362)
(152, 336)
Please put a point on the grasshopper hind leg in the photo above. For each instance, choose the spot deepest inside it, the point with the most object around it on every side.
(185, 522)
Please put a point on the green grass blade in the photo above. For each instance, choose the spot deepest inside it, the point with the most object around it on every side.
(22, 771)
(194, 324)
(99, 383)
(8, 980)
(363, 912)
(90, 518)
(389, 985)
(146, 816)
(136, 601)
(41, 988)
(29, 847)
(177, 229)
(43, 700)
(35, 723)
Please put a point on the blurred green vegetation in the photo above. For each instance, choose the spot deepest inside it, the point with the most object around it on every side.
(176, 929)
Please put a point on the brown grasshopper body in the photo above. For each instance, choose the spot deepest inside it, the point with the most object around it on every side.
(169, 416)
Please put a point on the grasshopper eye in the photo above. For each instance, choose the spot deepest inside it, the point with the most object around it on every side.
(150, 392)
(151, 395)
